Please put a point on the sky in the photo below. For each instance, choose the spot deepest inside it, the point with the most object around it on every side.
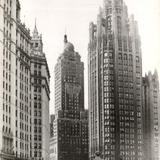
(55, 17)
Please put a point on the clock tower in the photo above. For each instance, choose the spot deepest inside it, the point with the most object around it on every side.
(37, 44)
(40, 93)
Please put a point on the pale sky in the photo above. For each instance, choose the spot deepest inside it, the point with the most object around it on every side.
(56, 16)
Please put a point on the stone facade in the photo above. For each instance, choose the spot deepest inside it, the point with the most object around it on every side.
(115, 85)
(40, 80)
(16, 110)
(151, 121)
(15, 79)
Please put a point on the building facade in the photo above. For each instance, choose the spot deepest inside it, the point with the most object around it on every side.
(40, 81)
(52, 118)
(52, 143)
(70, 141)
(22, 91)
(15, 85)
(151, 121)
(115, 85)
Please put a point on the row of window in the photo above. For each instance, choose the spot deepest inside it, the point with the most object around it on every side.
(37, 121)
(37, 137)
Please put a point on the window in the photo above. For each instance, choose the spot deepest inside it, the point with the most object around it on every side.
(137, 59)
(40, 138)
(39, 105)
(119, 24)
(35, 105)
(35, 96)
(35, 129)
(35, 89)
(40, 146)
(39, 90)
(35, 121)
(36, 44)
(35, 137)
(35, 154)
(39, 121)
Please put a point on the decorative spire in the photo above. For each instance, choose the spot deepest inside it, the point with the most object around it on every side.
(67, 45)
(156, 73)
(35, 32)
(65, 38)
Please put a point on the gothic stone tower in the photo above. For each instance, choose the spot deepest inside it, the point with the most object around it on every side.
(115, 80)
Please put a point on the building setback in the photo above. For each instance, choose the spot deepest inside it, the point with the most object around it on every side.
(151, 121)
(16, 110)
(115, 80)
(70, 140)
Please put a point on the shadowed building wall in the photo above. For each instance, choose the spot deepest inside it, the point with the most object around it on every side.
(151, 121)
(70, 139)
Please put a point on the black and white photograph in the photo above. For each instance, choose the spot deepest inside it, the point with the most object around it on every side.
(79, 80)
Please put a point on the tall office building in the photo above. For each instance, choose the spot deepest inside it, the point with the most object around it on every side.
(70, 141)
(15, 85)
(40, 80)
(115, 80)
(151, 121)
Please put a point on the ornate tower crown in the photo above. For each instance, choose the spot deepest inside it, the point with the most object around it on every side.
(67, 45)
(113, 3)
(37, 44)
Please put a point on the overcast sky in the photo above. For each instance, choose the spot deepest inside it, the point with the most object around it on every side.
(53, 16)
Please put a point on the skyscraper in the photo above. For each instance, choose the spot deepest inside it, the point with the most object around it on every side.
(151, 121)
(40, 89)
(14, 83)
(70, 141)
(16, 109)
(115, 84)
